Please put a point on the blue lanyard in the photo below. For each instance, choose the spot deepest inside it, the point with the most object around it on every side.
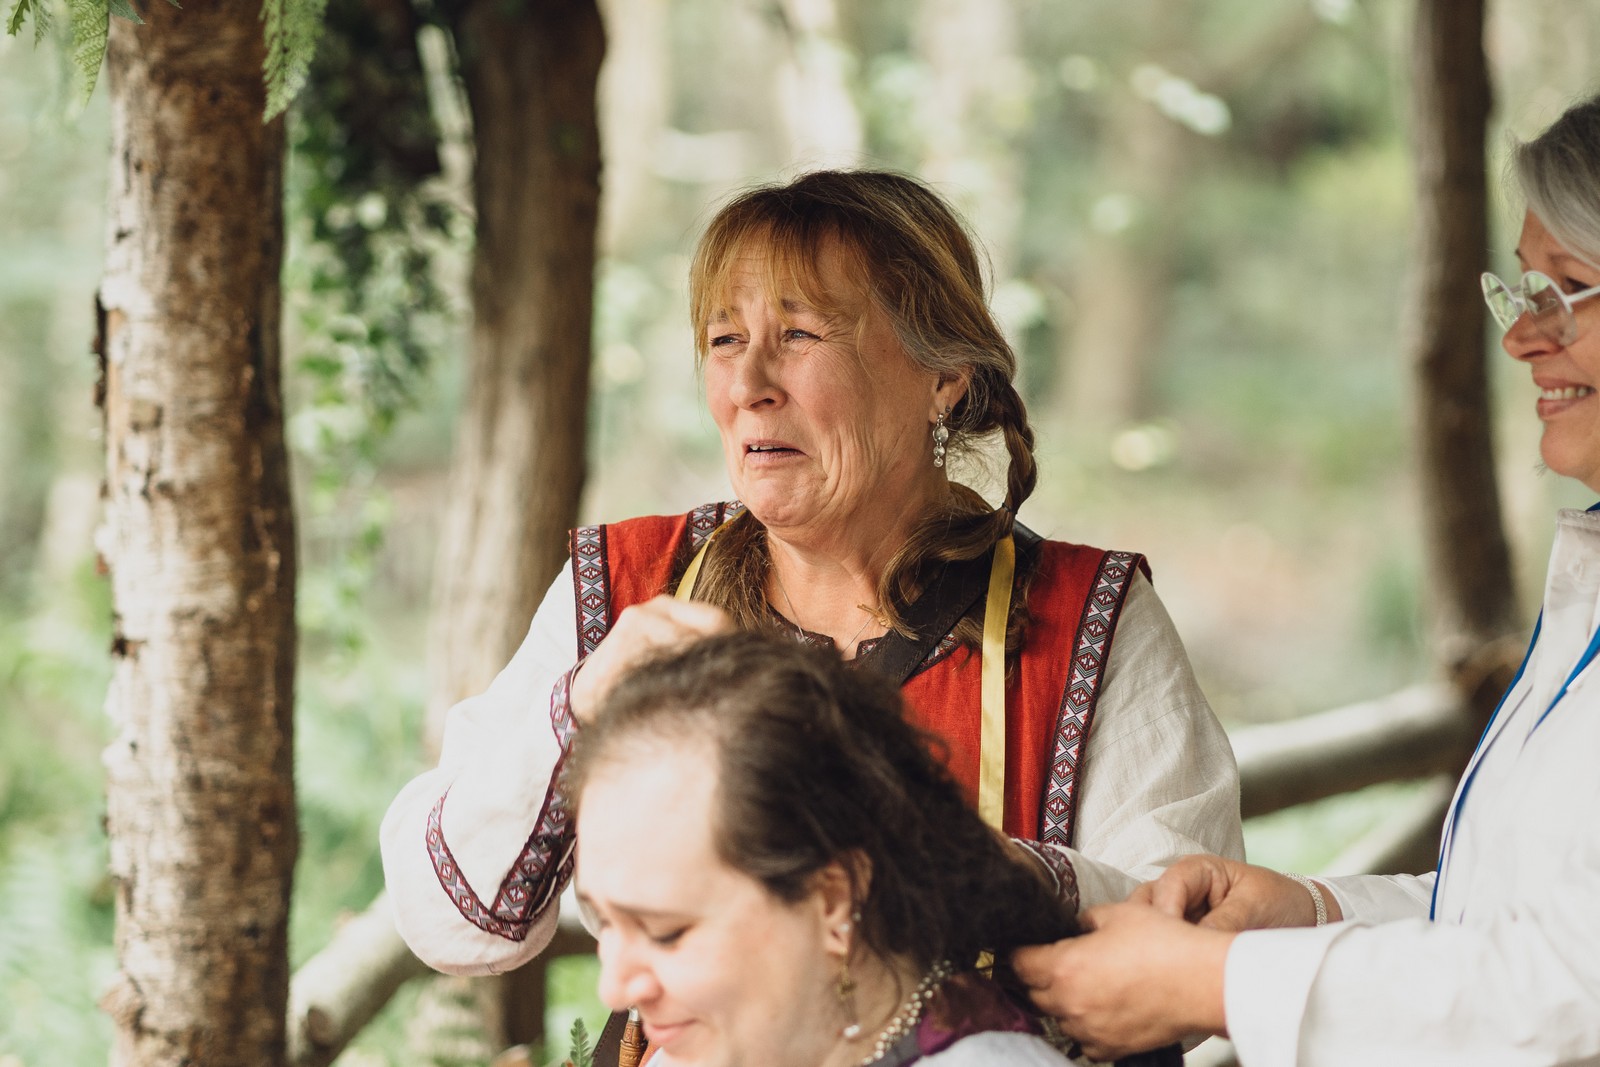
(1584, 660)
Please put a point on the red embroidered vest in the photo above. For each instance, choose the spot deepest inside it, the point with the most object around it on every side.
(1050, 698)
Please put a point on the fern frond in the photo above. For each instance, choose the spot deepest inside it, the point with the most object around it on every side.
(43, 18)
(292, 28)
(18, 13)
(91, 21)
(582, 1051)
(123, 9)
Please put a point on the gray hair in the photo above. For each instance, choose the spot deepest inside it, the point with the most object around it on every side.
(1559, 175)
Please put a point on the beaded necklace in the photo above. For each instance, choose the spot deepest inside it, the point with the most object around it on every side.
(911, 1011)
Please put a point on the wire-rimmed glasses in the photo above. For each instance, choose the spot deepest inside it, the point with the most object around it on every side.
(1537, 294)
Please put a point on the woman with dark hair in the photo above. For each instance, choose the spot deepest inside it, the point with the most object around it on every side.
(848, 356)
(1494, 958)
(780, 872)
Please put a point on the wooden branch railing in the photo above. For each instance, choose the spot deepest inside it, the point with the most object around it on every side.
(1415, 733)
(337, 992)
(1425, 732)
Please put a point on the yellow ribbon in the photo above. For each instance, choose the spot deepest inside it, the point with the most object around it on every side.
(992, 731)
(686, 585)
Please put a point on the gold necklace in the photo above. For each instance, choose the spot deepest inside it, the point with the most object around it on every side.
(794, 616)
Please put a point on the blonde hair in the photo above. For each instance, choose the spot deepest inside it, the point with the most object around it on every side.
(908, 253)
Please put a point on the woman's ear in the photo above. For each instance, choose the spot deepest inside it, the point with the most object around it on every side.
(839, 888)
(949, 391)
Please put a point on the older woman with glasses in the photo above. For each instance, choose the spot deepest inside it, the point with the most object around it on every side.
(1495, 957)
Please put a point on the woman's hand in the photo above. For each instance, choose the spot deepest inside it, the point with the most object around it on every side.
(641, 631)
(1228, 895)
(1139, 979)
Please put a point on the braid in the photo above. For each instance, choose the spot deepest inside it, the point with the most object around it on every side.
(1023, 473)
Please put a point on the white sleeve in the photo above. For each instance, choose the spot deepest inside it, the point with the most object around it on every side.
(1378, 898)
(1159, 779)
(1521, 987)
(487, 796)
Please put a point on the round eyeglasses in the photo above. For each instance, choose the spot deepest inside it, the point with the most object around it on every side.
(1538, 295)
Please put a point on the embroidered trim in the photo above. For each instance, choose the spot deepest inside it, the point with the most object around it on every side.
(703, 520)
(1091, 650)
(546, 860)
(592, 586)
(1058, 867)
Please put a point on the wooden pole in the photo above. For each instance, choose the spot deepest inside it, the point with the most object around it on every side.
(1469, 565)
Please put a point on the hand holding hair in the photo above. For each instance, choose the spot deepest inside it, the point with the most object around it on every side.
(1136, 980)
(657, 625)
(1223, 894)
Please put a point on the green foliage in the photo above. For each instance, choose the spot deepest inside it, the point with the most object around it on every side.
(573, 996)
(370, 231)
(292, 28)
(55, 942)
(42, 19)
(582, 1054)
(91, 22)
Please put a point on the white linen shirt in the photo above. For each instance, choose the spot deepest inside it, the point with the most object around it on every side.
(1509, 974)
(1160, 782)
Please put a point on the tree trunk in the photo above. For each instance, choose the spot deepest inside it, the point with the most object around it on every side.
(1123, 285)
(1468, 561)
(199, 537)
(531, 72)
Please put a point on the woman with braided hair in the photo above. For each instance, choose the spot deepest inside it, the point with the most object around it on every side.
(847, 352)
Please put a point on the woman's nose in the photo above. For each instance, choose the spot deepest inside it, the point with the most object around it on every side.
(753, 381)
(1524, 340)
(625, 980)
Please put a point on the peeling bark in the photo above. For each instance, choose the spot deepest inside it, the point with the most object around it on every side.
(199, 540)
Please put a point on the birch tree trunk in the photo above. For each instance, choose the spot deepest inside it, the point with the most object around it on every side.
(1468, 562)
(199, 537)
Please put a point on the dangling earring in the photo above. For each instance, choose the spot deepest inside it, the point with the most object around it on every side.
(941, 434)
(845, 990)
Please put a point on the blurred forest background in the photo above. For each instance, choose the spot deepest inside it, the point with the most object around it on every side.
(1197, 217)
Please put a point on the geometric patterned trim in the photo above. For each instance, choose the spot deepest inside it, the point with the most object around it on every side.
(546, 861)
(1091, 650)
(1058, 867)
(591, 569)
(946, 645)
(702, 521)
(590, 576)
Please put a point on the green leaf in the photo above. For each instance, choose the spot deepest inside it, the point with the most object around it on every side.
(123, 9)
(18, 13)
(91, 21)
(582, 1053)
(291, 28)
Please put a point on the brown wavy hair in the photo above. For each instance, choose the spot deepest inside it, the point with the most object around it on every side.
(909, 254)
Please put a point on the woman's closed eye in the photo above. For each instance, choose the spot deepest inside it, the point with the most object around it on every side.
(668, 937)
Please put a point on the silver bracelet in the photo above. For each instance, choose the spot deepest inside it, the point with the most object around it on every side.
(1317, 900)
